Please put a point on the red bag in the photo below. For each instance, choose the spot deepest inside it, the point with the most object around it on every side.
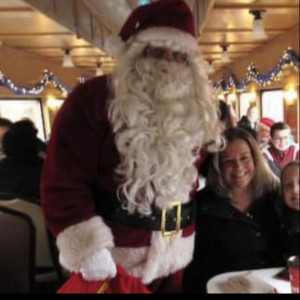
(121, 284)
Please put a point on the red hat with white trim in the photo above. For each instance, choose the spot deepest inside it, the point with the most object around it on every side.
(168, 22)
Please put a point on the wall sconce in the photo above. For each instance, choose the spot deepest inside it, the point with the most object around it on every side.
(221, 96)
(258, 29)
(67, 60)
(54, 104)
(232, 97)
(290, 96)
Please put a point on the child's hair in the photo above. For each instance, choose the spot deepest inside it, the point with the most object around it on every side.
(294, 163)
(278, 126)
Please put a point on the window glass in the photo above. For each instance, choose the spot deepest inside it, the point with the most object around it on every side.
(272, 105)
(16, 110)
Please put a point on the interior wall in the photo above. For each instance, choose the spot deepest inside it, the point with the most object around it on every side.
(26, 69)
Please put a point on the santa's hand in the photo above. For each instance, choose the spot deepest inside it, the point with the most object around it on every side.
(100, 266)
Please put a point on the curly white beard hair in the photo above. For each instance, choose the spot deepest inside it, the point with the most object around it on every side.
(160, 113)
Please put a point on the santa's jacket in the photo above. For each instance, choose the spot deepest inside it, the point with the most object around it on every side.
(282, 158)
(79, 167)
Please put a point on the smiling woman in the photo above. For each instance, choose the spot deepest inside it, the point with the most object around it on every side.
(237, 226)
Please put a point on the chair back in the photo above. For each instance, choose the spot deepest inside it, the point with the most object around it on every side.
(17, 252)
(43, 257)
(47, 268)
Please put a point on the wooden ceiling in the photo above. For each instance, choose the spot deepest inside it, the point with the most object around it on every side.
(229, 23)
(47, 27)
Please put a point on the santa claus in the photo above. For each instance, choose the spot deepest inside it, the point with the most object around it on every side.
(120, 164)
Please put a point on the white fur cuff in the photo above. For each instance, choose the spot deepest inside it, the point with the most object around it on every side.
(81, 241)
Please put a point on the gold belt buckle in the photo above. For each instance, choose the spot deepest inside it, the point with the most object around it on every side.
(166, 233)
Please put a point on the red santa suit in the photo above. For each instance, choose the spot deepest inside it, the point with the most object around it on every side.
(79, 183)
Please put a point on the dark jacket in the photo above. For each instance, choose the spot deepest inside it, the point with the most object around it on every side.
(246, 124)
(20, 178)
(290, 232)
(228, 240)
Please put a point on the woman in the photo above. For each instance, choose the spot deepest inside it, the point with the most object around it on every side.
(237, 225)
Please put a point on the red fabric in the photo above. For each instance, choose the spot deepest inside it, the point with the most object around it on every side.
(168, 13)
(81, 154)
(267, 122)
(282, 158)
(121, 284)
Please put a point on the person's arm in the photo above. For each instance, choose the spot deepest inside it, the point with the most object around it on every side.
(69, 174)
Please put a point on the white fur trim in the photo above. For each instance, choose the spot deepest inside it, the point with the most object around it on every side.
(175, 39)
(114, 46)
(81, 241)
(165, 256)
(99, 267)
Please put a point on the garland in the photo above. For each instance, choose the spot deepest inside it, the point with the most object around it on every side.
(290, 58)
(38, 88)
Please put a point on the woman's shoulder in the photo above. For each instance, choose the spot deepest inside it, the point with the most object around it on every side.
(208, 201)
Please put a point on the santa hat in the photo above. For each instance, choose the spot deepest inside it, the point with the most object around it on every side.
(169, 23)
(267, 122)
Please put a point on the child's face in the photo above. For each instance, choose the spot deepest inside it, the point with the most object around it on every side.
(281, 139)
(290, 187)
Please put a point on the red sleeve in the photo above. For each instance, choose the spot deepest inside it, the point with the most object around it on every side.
(71, 163)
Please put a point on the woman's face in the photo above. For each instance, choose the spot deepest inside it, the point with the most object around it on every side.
(290, 187)
(237, 165)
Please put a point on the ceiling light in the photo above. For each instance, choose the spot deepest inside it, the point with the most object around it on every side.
(99, 71)
(67, 61)
(210, 67)
(258, 29)
(225, 57)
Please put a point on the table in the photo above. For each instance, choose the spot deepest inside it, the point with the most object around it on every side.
(214, 285)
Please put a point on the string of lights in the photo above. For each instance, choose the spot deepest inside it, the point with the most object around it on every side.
(36, 89)
(289, 59)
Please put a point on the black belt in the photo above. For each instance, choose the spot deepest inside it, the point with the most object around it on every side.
(168, 221)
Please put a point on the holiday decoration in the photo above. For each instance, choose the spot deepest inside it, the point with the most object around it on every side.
(38, 88)
(290, 58)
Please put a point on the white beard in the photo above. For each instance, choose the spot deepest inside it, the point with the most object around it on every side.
(158, 121)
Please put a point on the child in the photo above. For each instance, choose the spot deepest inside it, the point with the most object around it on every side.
(281, 151)
(290, 208)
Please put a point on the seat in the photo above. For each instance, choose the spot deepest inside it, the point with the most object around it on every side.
(17, 252)
(46, 262)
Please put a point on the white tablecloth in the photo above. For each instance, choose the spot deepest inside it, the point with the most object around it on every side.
(215, 284)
